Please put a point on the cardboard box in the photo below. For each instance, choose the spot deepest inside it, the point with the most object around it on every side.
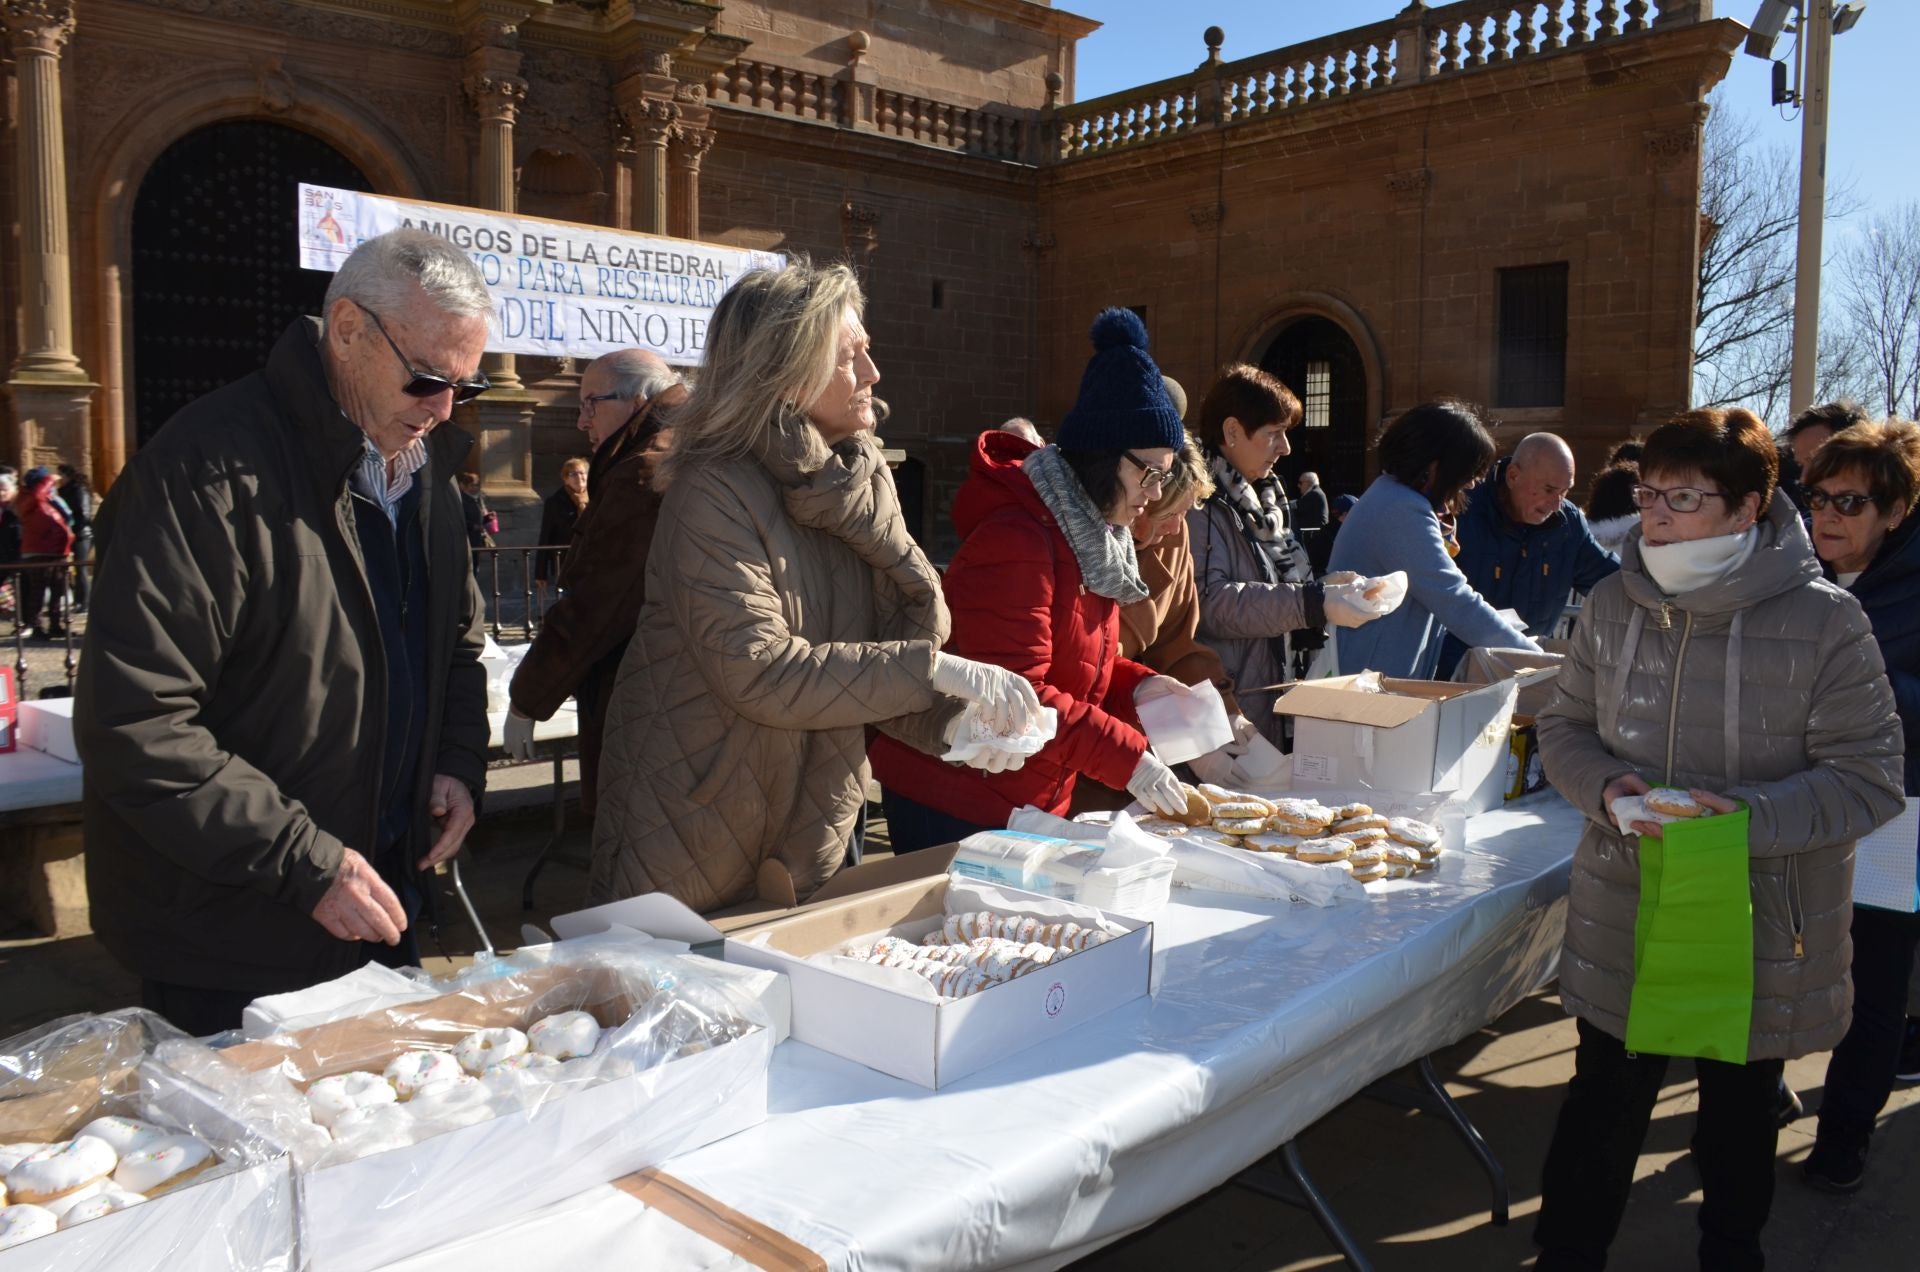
(364, 1214)
(934, 1043)
(47, 726)
(9, 712)
(232, 1221)
(1414, 735)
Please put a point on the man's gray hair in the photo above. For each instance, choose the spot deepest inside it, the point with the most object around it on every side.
(383, 272)
(1311, 478)
(635, 375)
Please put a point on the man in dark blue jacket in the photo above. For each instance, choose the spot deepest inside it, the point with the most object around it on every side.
(1523, 544)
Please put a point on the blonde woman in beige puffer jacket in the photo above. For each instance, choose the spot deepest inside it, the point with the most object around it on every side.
(787, 612)
(1718, 660)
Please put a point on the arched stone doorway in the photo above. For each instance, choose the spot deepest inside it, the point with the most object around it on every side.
(1316, 358)
(215, 276)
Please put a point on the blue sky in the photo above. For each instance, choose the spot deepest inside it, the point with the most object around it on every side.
(1872, 133)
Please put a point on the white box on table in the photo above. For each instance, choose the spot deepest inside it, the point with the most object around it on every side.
(363, 1214)
(47, 725)
(929, 1043)
(1415, 735)
(937, 1042)
(234, 1221)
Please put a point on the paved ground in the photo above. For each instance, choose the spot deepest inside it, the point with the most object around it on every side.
(1401, 1180)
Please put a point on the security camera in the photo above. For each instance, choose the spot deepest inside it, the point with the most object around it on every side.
(1767, 25)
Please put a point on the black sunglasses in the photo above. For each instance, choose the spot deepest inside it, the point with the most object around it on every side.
(1848, 505)
(423, 385)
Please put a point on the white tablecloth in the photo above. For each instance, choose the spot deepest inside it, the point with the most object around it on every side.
(34, 779)
(1267, 1017)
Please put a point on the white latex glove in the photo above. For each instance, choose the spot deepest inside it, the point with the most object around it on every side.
(1215, 766)
(1155, 786)
(1244, 732)
(1154, 687)
(1008, 704)
(991, 761)
(1260, 764)
(1346, 605)
(519, 735)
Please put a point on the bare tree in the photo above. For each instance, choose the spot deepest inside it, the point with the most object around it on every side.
(1749, 216)
(1880, 295)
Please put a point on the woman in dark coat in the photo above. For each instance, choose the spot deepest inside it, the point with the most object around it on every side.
(557, 519)
(1861, 487)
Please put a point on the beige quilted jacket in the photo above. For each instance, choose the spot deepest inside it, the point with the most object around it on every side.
(787, 609)
(1766, 686)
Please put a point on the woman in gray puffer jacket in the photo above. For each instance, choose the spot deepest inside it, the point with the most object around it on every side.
(1716, 660)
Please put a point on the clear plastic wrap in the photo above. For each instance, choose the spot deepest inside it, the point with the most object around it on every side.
(680, 1060)
(235, 1215)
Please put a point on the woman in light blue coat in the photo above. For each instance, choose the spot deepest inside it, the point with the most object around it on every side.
(1429, 457)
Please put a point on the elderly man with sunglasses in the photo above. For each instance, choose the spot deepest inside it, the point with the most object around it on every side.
(281, 708)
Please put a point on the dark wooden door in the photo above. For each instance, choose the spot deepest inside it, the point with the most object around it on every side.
(1315, 358)
(216, 276)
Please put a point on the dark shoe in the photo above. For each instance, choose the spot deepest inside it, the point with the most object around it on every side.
(1787, 1108)
(1833, 1168)
(1909, 1067)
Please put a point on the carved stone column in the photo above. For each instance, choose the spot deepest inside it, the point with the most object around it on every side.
(496, 99)
(690, 146)
(653, 124)
(51, 393)
(625, 152)
(645, 99)
(501, 419)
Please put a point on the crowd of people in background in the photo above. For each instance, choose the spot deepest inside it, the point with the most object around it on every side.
(46, 523)
(748, 625)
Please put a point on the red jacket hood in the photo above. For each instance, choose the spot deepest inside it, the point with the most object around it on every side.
(995, 481)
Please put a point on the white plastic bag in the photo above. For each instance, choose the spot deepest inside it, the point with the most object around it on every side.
(973, 737)
(1184, 725)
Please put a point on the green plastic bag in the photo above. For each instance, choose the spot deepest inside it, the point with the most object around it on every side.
(1693, 942)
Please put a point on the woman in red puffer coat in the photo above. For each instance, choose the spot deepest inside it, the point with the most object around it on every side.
(1045, 563)
(45, 537)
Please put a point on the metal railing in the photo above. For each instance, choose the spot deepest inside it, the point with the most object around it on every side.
(64, 580)
(516, 600)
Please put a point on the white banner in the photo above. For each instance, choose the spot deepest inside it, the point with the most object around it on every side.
(560, 289)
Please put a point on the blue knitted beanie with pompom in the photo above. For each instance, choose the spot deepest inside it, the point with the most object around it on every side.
(1122, 403)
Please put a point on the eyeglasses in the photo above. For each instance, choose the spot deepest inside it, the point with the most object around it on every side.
(1152, 480)
(1847, 505)
(423, 385)
(591, 403)
(1680, 498)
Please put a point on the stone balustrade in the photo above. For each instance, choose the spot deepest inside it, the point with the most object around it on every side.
(1422, 43)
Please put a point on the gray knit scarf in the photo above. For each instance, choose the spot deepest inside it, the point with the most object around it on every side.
(1263, 519)
(1105, 553)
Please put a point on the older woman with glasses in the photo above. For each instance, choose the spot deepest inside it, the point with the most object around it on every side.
(787, 611)
(1258, 596)
(1044, 565)
(1861, 488)
(1716, 661)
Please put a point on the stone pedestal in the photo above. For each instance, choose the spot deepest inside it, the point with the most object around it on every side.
(43, 879)
(502, 424)
(51, 414)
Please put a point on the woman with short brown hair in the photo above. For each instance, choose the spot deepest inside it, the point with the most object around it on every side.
(1258, 596)
(1716, 661)
(1861, 487)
